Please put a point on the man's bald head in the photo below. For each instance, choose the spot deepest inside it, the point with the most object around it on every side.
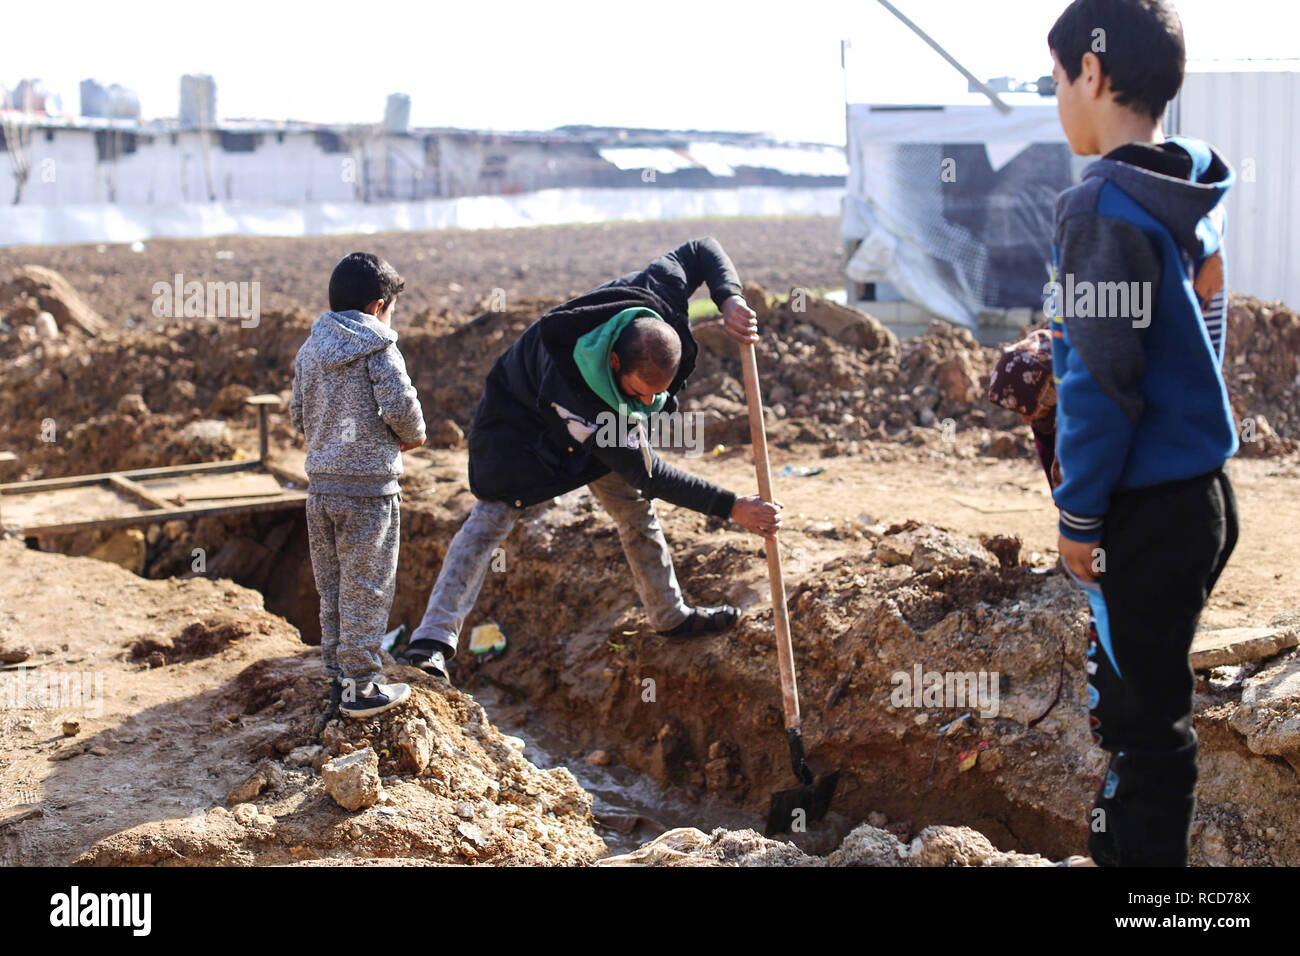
(649, 348)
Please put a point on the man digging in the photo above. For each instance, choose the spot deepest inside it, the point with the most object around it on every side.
(620, 352)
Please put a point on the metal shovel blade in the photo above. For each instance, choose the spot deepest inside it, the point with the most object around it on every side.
(807, 803)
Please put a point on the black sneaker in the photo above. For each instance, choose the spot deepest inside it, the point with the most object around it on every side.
(429, 656)
(704, 620)
(371, 699)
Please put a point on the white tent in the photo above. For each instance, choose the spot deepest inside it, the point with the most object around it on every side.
(952, 205)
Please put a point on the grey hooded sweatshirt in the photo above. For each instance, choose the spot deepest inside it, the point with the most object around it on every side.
(354, 401)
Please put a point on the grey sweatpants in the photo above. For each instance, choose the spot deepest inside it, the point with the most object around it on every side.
(472, 551)
(354, 542)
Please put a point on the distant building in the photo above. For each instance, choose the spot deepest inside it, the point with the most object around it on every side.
(198, 101)
(106, 160)
(397, 114)
(112, 102)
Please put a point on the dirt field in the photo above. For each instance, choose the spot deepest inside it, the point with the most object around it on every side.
(927, 541)
(451, 269)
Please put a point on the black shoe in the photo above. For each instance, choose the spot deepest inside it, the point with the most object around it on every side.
(704, 620)
(429, 656)
(374, 699)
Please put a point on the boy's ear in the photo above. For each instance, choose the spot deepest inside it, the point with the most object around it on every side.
(1095, 81)
(613, 361)
(374, 308)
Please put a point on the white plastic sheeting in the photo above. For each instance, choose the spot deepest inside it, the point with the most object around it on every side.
(103, 222)
(723, 159)
(953, 205)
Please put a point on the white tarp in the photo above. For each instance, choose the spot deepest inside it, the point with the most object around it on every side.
(104, 222)
(953, 205)
(723, 159)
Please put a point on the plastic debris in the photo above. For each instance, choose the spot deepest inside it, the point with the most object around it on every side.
(802, 471)
(487, 639)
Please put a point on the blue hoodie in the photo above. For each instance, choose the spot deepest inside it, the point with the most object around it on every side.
(1139, 301)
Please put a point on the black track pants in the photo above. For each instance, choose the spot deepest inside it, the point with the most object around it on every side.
(1164, 548)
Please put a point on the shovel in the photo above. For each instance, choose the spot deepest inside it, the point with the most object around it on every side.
(810, 800)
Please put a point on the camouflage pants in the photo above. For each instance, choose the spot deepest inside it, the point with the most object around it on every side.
(472, 549)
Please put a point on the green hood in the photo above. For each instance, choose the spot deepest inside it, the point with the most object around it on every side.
(591, 355)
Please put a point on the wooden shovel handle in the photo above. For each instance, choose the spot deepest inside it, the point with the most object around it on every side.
(758, 438)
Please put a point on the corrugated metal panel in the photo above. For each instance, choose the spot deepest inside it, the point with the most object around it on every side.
(1253, 119)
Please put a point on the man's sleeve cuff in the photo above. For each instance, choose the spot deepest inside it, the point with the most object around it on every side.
(723, 504)
(1083, 528)
(723, 293)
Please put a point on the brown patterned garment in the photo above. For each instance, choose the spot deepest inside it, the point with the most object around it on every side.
(1022, 381)
(1022, 377)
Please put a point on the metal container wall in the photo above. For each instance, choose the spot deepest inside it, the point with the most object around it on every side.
(1253, 119)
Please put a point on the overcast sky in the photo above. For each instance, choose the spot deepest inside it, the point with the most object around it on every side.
(507, 65)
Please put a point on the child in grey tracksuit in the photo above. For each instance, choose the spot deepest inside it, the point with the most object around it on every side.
(356, 405)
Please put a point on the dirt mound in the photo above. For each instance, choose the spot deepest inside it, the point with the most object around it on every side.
(1263, 372)
(210, 754)
(31, 290)
(198, 639)
(443, 786)
(835, 375)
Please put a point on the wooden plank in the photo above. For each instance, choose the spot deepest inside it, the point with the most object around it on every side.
(72, 481)
(38, 508)
(289, 499)
(127, 486)
(245, 484)
(286, 473)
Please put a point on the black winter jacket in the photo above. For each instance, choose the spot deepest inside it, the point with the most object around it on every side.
(520, 450)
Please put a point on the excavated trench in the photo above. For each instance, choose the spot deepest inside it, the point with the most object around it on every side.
(668, 735)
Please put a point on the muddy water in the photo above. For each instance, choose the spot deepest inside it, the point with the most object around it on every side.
(629, 807)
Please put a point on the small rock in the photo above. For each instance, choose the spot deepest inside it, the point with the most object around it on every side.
(126, 548)
(248, 790)
(14, 655)
(100, 751)
(45, 325)
(1236, 645)
(413, 741)
(599, 758)
(302, 756)
(71, 728)
(132, 404)
(156, 659)
(353, 779)
(474, 834)
(449, 434)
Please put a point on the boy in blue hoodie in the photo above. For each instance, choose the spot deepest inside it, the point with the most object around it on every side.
(1144, 426)
(355, 403)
